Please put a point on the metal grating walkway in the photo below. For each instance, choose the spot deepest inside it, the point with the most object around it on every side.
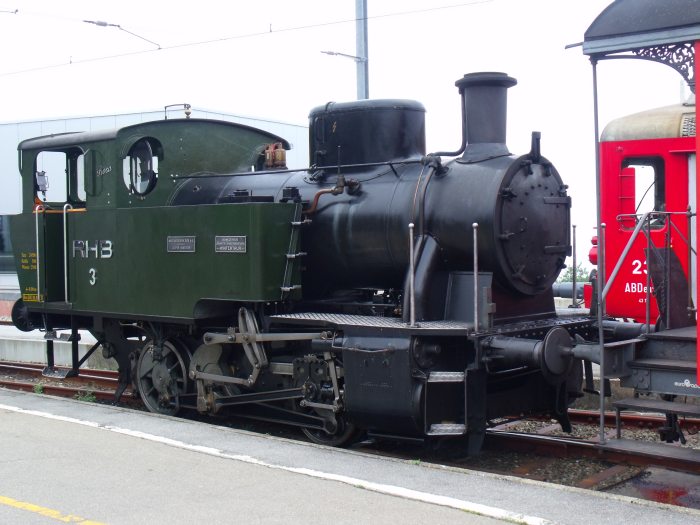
(373, 322)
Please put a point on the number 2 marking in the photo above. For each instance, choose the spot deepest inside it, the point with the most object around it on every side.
(638, 267)
(93, 276)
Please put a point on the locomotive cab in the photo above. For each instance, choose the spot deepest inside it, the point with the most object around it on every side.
(96, 209)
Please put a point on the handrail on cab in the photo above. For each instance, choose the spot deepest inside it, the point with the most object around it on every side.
(66, 208)
(37, 209)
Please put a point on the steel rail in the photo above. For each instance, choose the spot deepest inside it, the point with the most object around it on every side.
(105, 378)
(58, 390)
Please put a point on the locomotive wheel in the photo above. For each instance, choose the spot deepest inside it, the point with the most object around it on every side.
(162, 376)
(345, 434)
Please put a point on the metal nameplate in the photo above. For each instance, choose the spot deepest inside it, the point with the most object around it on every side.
(230, 244)
(181, 243)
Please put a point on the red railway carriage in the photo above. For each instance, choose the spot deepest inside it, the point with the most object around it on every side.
(647, 192)
(647, 167)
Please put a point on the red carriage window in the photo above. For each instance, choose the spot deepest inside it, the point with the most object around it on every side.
(641, 190)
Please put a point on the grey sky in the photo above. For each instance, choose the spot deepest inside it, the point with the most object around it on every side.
(265, 60)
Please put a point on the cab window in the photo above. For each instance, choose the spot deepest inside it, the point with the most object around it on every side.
(59, 176)
(140, 167)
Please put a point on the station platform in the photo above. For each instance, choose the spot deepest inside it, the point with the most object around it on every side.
(105, 464)
(9, 287)
(30, 347)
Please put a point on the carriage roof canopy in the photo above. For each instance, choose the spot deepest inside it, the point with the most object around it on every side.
(627, 25)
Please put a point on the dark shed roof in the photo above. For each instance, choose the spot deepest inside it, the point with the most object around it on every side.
(633, 24)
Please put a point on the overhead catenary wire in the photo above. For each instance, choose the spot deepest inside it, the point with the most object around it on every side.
(100, 23)
(267, 31)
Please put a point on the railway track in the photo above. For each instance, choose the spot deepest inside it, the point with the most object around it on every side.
(644, 454)
(97, 385)
(643, 449)
(537, 453)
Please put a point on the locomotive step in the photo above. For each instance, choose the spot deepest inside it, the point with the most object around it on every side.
(446, 377)
(447, 429)
(58, 373)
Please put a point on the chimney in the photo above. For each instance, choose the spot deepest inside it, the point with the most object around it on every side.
(485, 104)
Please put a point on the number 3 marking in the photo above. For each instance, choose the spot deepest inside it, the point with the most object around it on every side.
(93, 276)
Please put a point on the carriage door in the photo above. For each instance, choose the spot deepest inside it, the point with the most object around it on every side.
(59, 192)
(642, 182)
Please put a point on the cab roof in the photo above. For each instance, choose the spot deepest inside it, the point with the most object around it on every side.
(65, 140)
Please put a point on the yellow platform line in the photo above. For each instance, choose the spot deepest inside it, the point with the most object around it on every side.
(49, 513)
